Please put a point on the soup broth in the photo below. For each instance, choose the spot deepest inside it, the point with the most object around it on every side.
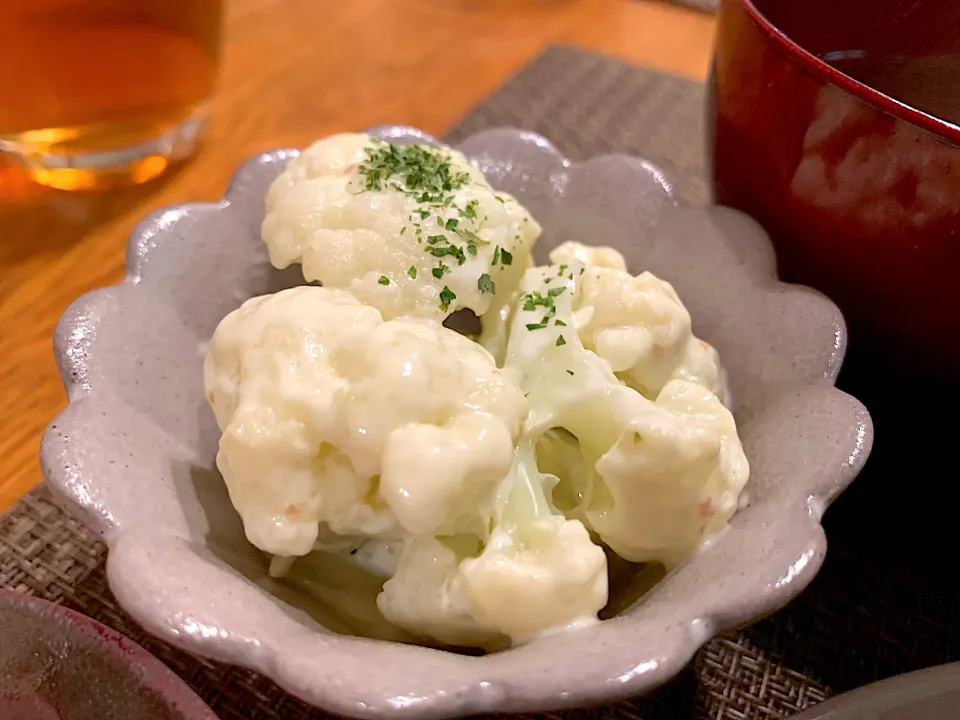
(930, 84)
(906, 49)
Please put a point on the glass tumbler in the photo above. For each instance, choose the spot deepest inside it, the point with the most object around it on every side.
(95, 93)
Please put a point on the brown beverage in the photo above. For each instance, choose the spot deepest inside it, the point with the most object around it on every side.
(95, 91)
(907, 49)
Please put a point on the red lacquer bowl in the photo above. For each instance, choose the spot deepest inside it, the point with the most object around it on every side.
(56, 664)
(860, 192)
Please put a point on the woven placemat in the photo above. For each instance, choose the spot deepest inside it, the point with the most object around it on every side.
(875, 610)
(708, 6)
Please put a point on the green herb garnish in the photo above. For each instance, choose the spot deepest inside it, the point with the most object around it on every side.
(471, 236)
(486, 285)
(533, 300)
(569, 372)
(412, 272)
(421, 172)
(448, 250)
(428, 176)
(439, 271)
(447, 296)
(384, 280)
(561, 341)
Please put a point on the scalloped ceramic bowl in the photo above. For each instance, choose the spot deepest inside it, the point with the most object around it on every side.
(133, 453)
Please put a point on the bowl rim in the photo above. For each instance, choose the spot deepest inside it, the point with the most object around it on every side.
(825, 72)
(147, 670)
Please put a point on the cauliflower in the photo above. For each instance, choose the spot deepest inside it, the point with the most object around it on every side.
(412, 231)
(673, 476)
(333, 417)
(427, 595)
(653, 477)
(637, 324)
(538, 572)
(571, 253)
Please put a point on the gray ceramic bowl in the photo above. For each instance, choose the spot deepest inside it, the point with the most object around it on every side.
(133, 453)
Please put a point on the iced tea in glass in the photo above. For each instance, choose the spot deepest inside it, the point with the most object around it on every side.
(100, 92)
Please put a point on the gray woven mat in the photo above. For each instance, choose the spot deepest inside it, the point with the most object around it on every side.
(875, 609)
(709, 6)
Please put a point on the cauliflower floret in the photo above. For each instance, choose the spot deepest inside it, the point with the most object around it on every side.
(655, 477)
(331, 415)
(412, 231)
(538, 572)
(673, 476)
(637, 324)
(427, 596)
(571, 252)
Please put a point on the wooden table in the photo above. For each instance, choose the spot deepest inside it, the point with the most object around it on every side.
(293, 71)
